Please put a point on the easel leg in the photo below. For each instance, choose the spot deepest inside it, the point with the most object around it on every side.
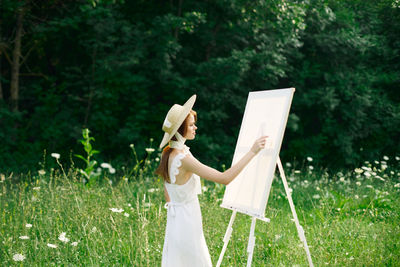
(227, 237)
(252, 241)
(300, 229)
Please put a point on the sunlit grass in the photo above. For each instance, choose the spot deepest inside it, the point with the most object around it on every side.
(350, 219)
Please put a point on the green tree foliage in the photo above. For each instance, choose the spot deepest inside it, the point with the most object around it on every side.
(117, 66)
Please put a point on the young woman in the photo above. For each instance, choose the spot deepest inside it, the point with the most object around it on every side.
(184, 243)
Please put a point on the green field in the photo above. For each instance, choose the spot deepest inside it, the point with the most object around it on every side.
(350, 219)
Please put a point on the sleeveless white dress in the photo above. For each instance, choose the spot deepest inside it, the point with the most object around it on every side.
(184, 244)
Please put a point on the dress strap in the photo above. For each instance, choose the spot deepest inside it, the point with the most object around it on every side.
(176, 163)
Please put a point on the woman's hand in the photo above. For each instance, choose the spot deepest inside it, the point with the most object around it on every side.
(259, 144)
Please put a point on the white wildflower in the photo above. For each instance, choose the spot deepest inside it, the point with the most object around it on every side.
(18, 257)
(94, 229)
(397, 158)
(111, 170)
(311, 167)
(151, 190)
(63, 237)
(341, 179)
(157, 159)
(366, 168)
(296, 171)
(105, 165)
(28, 225)
(24, 237)
(150, 150)
(397, 185)
(74, 244)
(358, 170)
(288, 164)
(370, 186)
(356, 197)
(309, 159)
(358, 183)
(129, 205)
(51, 245)
(316, 196)
(147, 204)
(36, 188)
(116, 210)
(55, 155)
(126, 214)
(41, 172)
(386, 158)
(132, 145)
(367, 174)
(376, 162)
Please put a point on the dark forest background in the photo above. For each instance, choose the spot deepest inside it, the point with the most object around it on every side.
(116, 67)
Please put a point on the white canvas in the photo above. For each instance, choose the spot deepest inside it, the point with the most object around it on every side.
(266, 113)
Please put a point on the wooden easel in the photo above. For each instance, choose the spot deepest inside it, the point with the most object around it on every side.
(252, 238)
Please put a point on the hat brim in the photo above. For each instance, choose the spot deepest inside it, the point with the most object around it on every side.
(187, 107)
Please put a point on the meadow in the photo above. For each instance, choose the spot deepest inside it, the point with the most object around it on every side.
(50, 218)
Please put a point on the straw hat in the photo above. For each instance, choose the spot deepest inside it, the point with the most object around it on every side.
(175, 117)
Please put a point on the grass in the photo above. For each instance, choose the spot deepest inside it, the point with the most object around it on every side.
(350, 219)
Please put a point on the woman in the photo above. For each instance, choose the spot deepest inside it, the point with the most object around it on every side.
(184, 243)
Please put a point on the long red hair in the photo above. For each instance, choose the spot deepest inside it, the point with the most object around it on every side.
(162, 169)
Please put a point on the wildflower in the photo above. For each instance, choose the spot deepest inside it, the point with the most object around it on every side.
(150, 150)
(356, 197)
(309, 159)
(36, 188)
(342, 179)
(157, 159)
(111, 170)
(151, 190)
(397, 158)
(357, 170)
(367, 174)
(311, 167)
(24, 237)
(105, 165)
(397, 185)
(370, 186)
(386, 158)
(376, 162)
(18, 257)
(366, 168)
(129, 205)
(110, 182)
(116, 210)
(288, 164)
(41, 172)
(358, 183)
(94, 229)
(126, 214)
(51, 245)
(132, 145)
(296, 171)
(63, 238)
(55, 155)
(28, 225)
(316, 196)
(74, 244)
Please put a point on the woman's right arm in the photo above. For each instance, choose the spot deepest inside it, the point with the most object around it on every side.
(191, 164)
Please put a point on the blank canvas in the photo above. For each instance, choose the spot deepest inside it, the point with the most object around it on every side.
(266, 113)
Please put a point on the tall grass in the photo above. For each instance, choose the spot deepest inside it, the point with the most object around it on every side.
(350, 219)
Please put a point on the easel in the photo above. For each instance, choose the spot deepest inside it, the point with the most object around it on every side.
(252, 238)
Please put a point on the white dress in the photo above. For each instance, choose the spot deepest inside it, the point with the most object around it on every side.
(184, 244)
